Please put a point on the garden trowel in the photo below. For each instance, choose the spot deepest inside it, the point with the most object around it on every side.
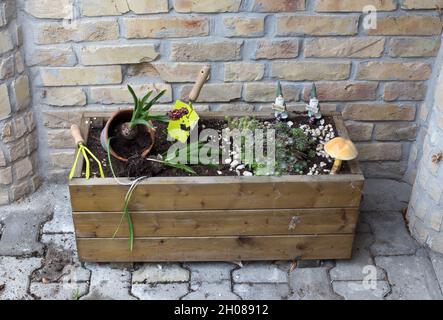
(180, 129)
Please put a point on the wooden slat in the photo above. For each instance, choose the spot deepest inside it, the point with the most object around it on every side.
(216, 248)
(218, 223)
(219, 193)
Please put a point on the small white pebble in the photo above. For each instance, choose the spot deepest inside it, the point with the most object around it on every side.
(234, 163)
(247, 174)
(290, 124)
(219, 172)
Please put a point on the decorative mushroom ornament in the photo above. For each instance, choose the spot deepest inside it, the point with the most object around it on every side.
(340, 149)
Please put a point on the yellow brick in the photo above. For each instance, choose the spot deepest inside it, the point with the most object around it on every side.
(386, 70)
(63, 96)
(22, 92)
(5, 106)
(76, 76)
(379, 112)
(50, 9)
(216, 92)
(265, 92)
(277, 49)
(345, 47)
(319, 25)
(244, 71)
(78, 31)
(118, 54)
(206, 51)
(382, 151)
(407, 25)
(311, 70)
(244, 27)
(414, 47)
(278, 5)
(421, 4)
(166, 27)
(121, 95)
(209, 6)
(354, 5)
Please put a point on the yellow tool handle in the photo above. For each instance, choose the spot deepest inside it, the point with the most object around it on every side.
(202, 76)
(77, 135)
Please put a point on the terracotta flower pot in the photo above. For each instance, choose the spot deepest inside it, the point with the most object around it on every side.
(122, 116)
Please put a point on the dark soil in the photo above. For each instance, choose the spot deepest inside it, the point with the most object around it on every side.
(128, 148)
(137, 166)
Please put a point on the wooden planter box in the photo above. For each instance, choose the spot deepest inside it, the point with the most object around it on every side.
(219, 218)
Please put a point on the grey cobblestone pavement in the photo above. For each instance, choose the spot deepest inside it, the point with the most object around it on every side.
(38, 260)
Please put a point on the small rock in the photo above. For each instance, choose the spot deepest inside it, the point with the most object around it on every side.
(219, 172)
(247, 174)
(234, 163)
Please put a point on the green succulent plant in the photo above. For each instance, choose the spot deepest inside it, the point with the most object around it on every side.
(141, 114)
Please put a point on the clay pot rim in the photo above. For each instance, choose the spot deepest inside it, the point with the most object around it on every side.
(150, 131)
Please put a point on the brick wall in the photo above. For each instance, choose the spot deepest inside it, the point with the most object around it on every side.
(18, 142)
(82, 53)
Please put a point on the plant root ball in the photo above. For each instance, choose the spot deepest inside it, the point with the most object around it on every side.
(127, 132)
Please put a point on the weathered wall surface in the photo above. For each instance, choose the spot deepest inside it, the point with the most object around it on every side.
(82, 54)
(425, 213)
(18, 143)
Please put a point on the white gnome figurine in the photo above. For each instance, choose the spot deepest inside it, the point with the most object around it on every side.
(313, 107)
(279, 106)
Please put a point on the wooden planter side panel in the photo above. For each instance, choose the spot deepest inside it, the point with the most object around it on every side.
(218, 248)
(210, 193)
(218, 223)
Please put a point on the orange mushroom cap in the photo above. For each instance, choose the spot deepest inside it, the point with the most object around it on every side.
(341, 148)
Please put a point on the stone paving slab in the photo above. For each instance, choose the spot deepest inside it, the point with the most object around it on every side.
(220, 290)
(108, 283)
(160, 273)
(356, 290)
(437, 263)
(391, 235)
(411, 277)
(14, 277)
(262, 291)
(263, 272)
(311, 284)
(161, 291)
(58, 291)
(357, 267)
(210, 272)
(21, 232)
(61, 221)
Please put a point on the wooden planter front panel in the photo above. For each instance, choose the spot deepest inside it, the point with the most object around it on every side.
(220, 218)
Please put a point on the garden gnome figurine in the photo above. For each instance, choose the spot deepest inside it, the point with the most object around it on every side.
(313, 107)
(279, 106)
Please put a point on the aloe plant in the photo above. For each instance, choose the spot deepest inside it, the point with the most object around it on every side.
(142, 114)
